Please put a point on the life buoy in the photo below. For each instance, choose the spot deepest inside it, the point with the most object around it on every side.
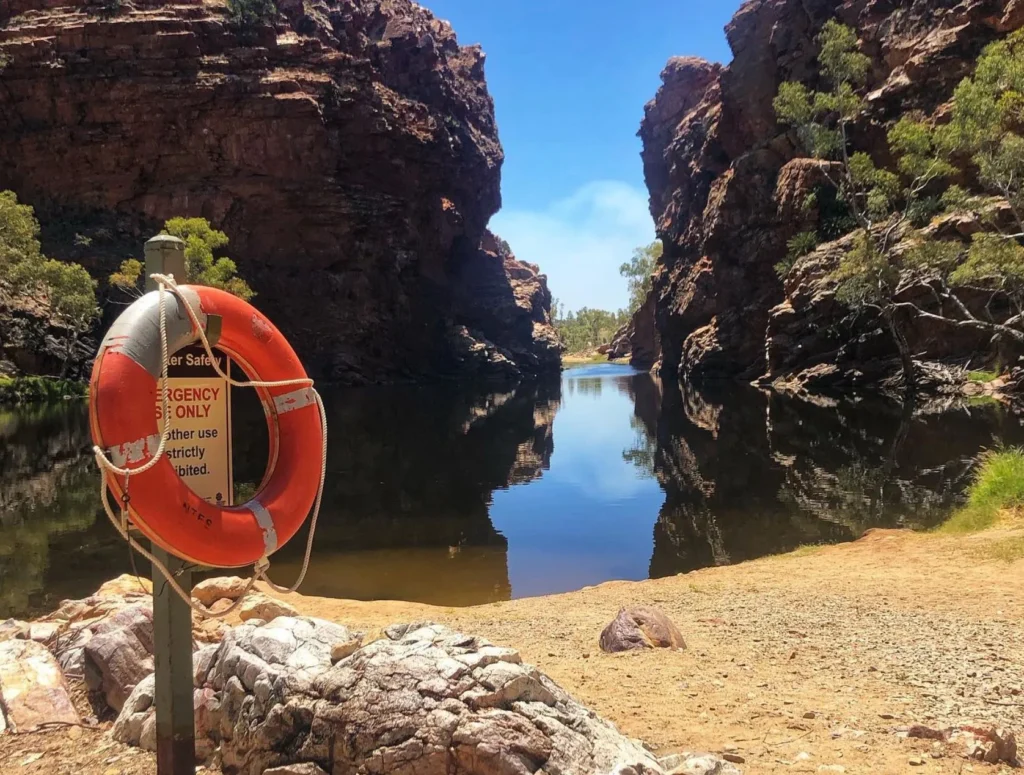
(124, 392)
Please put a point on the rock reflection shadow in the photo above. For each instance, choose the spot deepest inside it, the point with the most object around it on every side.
(410, 477)
(419, 478)
(748, 473)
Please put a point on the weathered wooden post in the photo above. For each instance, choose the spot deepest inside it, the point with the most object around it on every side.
(172, 618)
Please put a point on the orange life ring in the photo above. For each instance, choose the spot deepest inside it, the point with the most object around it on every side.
(124, 391)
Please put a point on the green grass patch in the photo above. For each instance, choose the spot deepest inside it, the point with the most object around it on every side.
(1009, 550)
(983, 401)
(998, 484)
(982, 377)
(18, 391)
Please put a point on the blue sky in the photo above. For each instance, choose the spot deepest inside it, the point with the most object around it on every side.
(569, 80)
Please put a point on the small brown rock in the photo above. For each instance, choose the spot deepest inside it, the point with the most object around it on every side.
(640, 627)
(210, 591)
(926, 733)
(915, 761)
(260, 606)
(340, 651)
(735, 758)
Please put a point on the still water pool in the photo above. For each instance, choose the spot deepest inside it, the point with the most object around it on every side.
(444, 496)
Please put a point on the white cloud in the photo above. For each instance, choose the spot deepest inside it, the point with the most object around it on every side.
(581, 241)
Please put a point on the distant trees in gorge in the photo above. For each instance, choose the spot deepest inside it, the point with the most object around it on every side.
(586, 329)
(639, 273)
(893, 216)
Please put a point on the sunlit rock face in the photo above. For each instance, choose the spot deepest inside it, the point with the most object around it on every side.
(721, 192)
(349, 150)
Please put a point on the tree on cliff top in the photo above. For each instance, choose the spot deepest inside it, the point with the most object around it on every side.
(639, 271)
(64, 289)
(201, 265)
(887, 257)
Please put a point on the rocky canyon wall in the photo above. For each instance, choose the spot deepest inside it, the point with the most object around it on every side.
(348, 149)
(724, 178)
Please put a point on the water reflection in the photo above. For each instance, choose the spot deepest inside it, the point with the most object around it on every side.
(748, 473)
(410, 479)
(456, 498)
(47, 501)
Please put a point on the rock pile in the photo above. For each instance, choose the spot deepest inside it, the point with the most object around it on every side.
(422, 698)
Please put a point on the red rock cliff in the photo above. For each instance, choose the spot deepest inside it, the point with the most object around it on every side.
(721, 192)
(349, 150)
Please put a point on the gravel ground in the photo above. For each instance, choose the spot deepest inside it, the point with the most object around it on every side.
(809, 662)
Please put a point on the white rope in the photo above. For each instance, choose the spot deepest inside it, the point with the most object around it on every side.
(260, 568)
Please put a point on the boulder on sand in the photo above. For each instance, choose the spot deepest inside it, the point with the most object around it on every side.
(638, 627)
(32, 688)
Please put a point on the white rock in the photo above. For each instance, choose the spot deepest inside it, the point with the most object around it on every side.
(698, 764)
(32, 688)
(306, 768)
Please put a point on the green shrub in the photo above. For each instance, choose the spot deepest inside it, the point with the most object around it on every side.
(798, 246)
(38, 390)
(998, 484)
(65, 289)
(982, 376)
(202, 267)
(249, 14)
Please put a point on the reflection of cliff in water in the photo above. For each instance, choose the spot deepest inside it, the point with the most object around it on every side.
(411, 472)
(47, 489)
(748, 474)
(410, 475)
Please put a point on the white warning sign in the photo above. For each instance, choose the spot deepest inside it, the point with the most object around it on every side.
(199, 444)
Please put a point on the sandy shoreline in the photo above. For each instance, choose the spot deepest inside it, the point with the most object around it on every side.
(797, 663)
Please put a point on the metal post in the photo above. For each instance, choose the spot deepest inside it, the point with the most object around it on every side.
(172, 618)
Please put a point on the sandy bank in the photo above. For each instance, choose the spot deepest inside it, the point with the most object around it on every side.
(923, 628)
(805, 661)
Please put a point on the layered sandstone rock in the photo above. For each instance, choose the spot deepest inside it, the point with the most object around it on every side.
(348, 149)
(724, 185)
